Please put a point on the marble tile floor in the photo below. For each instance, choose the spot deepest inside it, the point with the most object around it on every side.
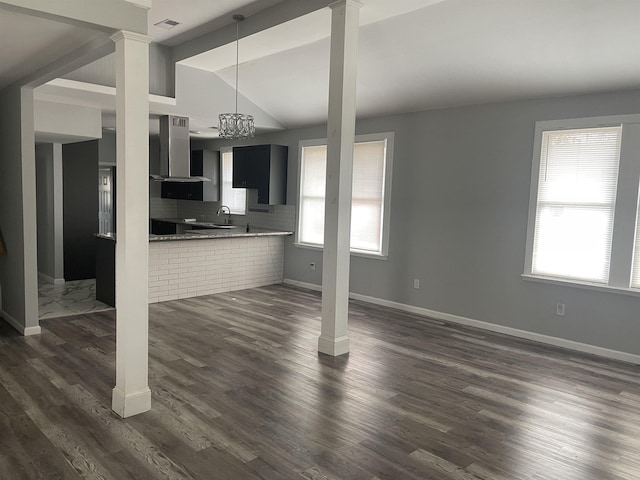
(71, 298)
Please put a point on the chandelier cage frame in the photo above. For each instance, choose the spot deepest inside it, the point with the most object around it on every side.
(236, 125)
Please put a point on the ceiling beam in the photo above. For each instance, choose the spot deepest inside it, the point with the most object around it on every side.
(107, 15)
(80, 57)
(263, 20)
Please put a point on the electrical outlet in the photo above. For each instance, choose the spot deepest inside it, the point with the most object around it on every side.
(312, 266)
(560, 309)
(416, 283)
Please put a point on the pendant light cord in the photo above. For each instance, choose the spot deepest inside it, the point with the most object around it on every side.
(236, 125)
(237, 59)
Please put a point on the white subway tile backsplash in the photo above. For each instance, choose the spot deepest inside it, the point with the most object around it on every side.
(281, 217)
(162, 207)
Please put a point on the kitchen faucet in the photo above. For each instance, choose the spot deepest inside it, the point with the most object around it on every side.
(227, 220)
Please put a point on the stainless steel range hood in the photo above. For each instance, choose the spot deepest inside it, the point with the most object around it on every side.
(175, 165)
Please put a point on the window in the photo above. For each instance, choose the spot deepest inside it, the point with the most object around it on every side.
(370, 198)
(234, 198)
(584, 202)
(576, 201)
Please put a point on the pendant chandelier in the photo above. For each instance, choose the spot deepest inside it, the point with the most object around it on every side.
(236, 125)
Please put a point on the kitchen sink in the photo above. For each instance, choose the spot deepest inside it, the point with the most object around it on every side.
(213, 225)
(222, 226)
(210, 230)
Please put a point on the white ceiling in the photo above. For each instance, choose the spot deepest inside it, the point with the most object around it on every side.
(296, 33)
(29, 43)
(414, 54)
(441, 54)
(197, 17)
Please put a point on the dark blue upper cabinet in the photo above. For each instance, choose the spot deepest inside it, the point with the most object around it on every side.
(262, 167)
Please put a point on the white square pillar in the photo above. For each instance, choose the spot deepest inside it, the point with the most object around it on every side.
(131, 394)
(334, 339)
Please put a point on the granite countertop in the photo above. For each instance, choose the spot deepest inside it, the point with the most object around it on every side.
(236, 232)
(240, 231)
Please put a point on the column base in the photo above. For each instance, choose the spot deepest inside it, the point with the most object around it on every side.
(333, 346)
(131, 404)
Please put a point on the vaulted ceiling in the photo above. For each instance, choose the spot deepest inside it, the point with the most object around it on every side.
(413, 55)
(424, 55)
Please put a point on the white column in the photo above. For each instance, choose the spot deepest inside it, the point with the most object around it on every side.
(131, 394)
(334, 339)
(29, 213)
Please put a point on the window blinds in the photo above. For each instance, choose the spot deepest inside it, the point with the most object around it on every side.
(234, 198)
(312, 192)
(367, 195)
(367, 206)
(576, 202)
(635, 273)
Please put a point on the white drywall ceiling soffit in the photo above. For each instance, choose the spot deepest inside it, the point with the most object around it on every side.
(30, 43)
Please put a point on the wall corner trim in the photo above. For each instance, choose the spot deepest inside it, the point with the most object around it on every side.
(492, 327)
(47, 279)
(28, 331)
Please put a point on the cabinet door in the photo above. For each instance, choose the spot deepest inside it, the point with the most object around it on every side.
(244, 162)
(158, 227)
(182, 191)
(250, 166)
(197, 169)
(275, 189)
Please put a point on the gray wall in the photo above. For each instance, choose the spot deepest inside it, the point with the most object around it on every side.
(107, 149)
(11, 271)
(49, 191)
(45, 205)
(18, 279)
(459, 210)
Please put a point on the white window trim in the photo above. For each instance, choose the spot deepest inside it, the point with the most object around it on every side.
(598, 287)
(386, 205)
(625, 213)
(246, 206)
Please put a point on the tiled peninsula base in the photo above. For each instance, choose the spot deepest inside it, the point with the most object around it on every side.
(190, 268)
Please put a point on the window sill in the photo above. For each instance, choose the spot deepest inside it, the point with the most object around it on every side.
(578, 284)
(375, 256)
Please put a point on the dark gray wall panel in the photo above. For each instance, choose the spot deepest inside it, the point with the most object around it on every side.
(80, 178)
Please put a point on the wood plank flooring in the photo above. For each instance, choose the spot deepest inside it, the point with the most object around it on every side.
(239, 392)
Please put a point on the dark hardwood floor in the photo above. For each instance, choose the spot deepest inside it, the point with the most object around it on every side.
(239, 392)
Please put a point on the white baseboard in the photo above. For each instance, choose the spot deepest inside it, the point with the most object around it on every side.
(333, 346)
(308, 286)
(47, 279)
(128, 405)
(492, 327)
(19, 327)
(32, 331)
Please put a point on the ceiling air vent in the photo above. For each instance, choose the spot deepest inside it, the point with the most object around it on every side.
(167, 24)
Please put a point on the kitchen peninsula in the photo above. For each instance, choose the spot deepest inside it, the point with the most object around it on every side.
(200, 262)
